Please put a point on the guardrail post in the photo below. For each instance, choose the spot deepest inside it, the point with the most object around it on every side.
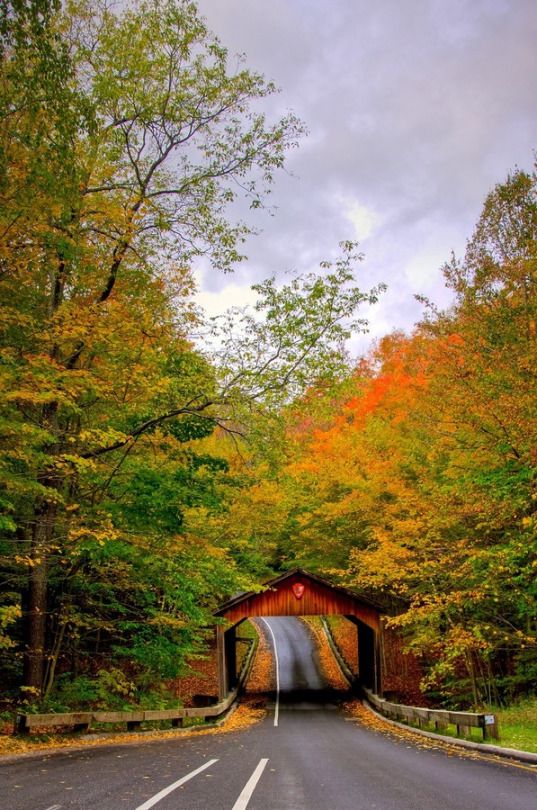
(490, 727)
(463, 731)
(20, 724)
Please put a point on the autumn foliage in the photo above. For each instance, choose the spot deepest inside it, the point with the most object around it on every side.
(152, 464)
(415, 483)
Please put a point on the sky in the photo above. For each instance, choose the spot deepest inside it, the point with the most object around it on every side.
(415, 109)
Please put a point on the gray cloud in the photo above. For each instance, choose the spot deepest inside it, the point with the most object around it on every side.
(415, 109)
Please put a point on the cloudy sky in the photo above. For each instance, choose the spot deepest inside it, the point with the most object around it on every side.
(415, 109)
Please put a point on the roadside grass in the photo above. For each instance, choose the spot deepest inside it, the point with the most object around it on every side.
(518, 725)
(247, 630)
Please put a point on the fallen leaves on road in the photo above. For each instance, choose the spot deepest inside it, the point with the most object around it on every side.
(329, 666)
(262, 677)
(246, 714)
(346, 637)
(372, 721)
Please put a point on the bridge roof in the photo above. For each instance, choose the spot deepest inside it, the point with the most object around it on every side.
(299, 593)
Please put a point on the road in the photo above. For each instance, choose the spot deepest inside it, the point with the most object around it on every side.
(304, 756)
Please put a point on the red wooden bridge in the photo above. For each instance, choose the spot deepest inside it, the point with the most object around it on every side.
(299, 593)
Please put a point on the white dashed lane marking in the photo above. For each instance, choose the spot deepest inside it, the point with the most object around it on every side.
(167, 790)
(250, 786)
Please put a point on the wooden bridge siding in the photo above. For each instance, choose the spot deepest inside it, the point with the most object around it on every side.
(316, 601)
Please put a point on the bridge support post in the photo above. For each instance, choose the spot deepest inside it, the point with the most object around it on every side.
(221, 663)
(230, 644)
(367, 656)
(379, 661)
(226, 659)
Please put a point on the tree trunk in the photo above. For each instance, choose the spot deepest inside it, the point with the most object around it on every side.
(36, 616)
(52, 661)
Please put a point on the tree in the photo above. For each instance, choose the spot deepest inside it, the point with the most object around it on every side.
(296, 335)
(125, 138)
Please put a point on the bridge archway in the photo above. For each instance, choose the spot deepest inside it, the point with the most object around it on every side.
(299, 593)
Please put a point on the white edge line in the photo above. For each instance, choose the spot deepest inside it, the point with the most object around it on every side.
(250, 786)
(277, 706)
(158, 796)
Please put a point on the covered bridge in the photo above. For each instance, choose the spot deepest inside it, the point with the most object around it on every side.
(299, 593)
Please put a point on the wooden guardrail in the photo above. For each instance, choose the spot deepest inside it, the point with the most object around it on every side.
(83, 721)
(440, 718)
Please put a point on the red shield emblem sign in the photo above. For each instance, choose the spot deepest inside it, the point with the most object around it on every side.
(298, 590)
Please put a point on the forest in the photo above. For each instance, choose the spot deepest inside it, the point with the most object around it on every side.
(154, 462)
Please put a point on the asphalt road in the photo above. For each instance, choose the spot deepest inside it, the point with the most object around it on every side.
(304, 756)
